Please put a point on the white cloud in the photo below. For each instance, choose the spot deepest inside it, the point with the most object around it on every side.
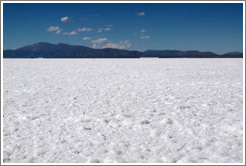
(56, 29)
(65, 19)
(141, 14)
(108, 25)
(94, 46)
(102, 40)
(84, 29)
(53, 28)
(70, 33)
(121, 45)
(135, 34)
(144, 30)
(97, 43)
(99, 30)
(59, 31)
(107, 29)
(86, 38)
(145, 37)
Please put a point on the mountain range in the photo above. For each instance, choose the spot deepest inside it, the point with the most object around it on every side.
(48, 50)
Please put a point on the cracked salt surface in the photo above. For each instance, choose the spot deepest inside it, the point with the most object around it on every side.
(122, 110)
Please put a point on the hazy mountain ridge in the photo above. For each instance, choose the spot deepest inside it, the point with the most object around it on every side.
(48, 50)
(177, 53)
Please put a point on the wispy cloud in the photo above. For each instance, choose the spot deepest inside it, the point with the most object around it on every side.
(108, 25)
(141, 14)
(145, 37)
(56, 29)
(94, 45)
(70, 33)
(97, 43)
(144, 30)
(135, 34)
(84, 29)
(100, 30)
(107, 29)
(121, 45)
(59, 31)
(86, 38)
(53, 28)
(65, 19)
(102, 40)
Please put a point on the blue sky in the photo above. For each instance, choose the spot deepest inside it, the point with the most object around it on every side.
(176, 26)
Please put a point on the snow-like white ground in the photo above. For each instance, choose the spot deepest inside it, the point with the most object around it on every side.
(123, 110)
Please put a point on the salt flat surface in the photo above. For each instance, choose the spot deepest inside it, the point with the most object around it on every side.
(123, 110)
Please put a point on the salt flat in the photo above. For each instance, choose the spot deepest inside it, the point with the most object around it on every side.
(123, 110)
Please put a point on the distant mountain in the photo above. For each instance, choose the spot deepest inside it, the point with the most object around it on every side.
(188, 54)
(47, 50)
(233, 54)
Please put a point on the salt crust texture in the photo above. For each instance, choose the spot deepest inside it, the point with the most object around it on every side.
(122, 110)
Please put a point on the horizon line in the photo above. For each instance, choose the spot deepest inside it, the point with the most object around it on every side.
(123, 49)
